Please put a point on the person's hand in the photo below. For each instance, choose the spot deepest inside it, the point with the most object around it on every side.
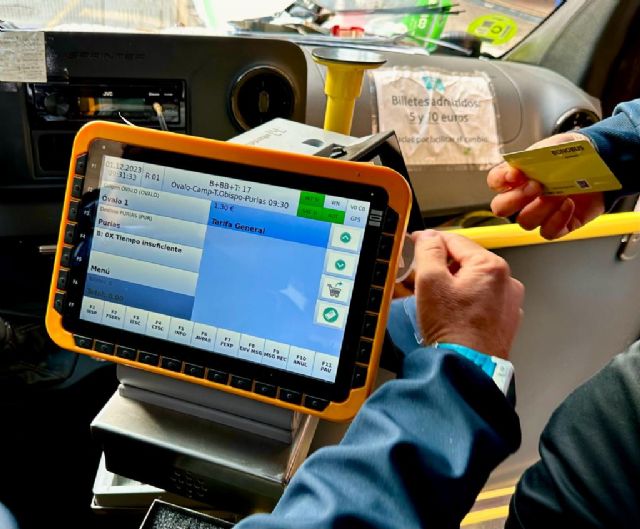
(555, 215)
(465, 294)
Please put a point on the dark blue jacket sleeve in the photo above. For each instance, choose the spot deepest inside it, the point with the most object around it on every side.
(617, 140)
(416, 455)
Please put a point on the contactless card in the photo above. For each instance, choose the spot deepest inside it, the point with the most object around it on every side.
(565, 169)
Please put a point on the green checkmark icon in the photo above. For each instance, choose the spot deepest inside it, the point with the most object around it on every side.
(340, 264)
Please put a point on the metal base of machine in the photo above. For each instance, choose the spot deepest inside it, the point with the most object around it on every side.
(191, 441)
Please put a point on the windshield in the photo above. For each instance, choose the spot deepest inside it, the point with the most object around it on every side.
(435, 26)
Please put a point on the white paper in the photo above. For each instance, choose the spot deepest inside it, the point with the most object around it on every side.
(22, 57)
(440, 118)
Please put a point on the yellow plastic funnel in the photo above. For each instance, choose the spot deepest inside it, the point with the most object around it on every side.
(345, 71)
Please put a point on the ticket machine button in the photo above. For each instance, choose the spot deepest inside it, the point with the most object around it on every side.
(359, 377)
(63, 276)
(369, 327)
(126, 352)
(193, 370)
(290, 396)
(375, 300)
(82, 341)
(81, 164)
(219, 377)
(104, 347)
(390, 221)
(73, 210)
(341, 264)
(70, 233)
(171, 364)
(65, 259)
(385, 247)
(380, 272)
(77, 187)
(241, 383)
(266, 390)
(315, 403)
(58, 302)
(364, 351)
(148, 358)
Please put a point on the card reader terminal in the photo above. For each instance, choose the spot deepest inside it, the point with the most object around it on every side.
(262, 273)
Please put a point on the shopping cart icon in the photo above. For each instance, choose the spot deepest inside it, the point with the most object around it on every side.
(334, 290)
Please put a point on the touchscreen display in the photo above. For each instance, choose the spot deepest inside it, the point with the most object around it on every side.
(249, 270)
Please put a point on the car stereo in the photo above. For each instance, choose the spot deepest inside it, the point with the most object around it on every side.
(57, 110)
(258, 272)
(85, 101)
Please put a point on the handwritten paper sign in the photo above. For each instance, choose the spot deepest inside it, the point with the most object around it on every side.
(22, 57)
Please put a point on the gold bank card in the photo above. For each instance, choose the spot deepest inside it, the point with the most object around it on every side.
(565, 169)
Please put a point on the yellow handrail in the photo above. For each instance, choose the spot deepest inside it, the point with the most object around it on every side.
(510, 235)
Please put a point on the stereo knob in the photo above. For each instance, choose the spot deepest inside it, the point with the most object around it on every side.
(57, 105)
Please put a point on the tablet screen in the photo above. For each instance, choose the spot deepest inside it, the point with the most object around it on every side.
(193, 257)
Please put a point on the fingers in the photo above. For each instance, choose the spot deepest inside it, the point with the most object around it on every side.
(588, 206)
(516, 190)
(460, 248)
(504, 177)
(514, 200)
(537, 212)
(433, 250)
(557, 139)
(557, 224)
(430, 255)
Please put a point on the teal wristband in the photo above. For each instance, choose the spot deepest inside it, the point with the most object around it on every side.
(498, 369)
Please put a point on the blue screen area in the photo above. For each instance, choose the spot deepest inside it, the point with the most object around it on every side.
(269, 277)
(254, 271)
(140, 296)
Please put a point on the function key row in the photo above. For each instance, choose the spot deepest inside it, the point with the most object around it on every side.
(374, 300)
(70, 230)
(376, 293)
(197, 371)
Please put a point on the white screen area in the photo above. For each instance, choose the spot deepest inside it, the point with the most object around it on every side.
(243, 269)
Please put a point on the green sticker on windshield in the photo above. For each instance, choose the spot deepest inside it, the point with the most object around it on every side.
(497, 29)
(428, 25)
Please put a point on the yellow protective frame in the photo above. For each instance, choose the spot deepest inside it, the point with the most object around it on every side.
(512, 235)
(399, 199)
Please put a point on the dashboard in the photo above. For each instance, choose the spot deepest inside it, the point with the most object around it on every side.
(218, 87)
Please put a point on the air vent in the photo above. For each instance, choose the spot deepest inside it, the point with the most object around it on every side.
(576, 118)
(260, 95)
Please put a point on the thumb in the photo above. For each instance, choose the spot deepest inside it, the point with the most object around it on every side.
(431, 256)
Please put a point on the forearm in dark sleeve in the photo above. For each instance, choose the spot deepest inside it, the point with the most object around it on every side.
(617, 140)
(416, 455)
(589, 472)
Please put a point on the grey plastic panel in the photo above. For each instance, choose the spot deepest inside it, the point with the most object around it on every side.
(582, 306)
(529, 101)
(235, 470)
(232, 410)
